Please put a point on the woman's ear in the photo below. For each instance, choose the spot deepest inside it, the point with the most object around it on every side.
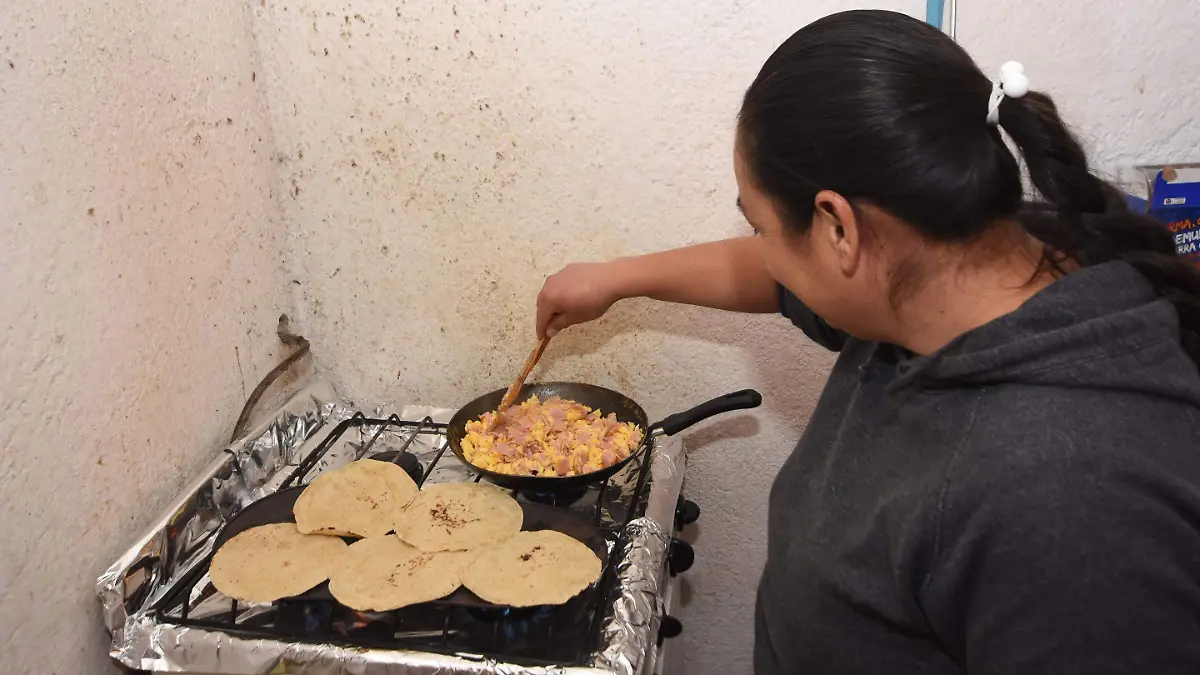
(838, 226)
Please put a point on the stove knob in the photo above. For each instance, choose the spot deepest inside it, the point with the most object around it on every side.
(686, 512)
(669, 628)
(680, 556)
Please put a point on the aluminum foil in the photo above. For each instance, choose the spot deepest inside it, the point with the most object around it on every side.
(632, 630)
(257, 465)
(182, 536)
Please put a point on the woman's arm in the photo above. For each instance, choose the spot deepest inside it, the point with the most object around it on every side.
(729, 275)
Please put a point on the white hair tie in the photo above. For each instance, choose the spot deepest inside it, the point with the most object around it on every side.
(1012, 83)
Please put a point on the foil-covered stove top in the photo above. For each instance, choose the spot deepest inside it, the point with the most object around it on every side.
(164, 615)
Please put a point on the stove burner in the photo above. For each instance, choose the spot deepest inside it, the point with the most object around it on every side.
(408, 462)
(560, 498)
(518, 628)
(489, 614)
(303, 618)
(363, 625)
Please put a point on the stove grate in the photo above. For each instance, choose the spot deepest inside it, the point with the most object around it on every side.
(462, 624)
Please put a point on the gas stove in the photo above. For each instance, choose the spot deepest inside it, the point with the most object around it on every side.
(165, 615)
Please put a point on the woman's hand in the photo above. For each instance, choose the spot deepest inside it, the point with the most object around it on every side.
(579, 293)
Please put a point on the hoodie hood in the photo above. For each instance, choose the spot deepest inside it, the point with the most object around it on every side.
(1102, 327)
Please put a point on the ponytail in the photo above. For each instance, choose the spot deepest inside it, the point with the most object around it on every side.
(905, 123)
(1087, 220)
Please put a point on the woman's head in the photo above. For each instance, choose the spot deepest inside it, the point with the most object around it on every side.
(864, 146)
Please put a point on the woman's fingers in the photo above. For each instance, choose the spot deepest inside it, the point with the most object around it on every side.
(558, 323)
(544, 315)
(576, 294)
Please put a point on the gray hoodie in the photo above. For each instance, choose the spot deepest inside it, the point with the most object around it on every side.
(1026, 500)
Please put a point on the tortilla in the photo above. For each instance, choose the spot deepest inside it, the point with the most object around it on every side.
(269, 562)
(383, 573)
(358, 500)
(459, 517)
(399, 483)
(532, 568)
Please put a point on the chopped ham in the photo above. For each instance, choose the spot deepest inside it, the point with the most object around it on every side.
(506, 450)
(561, 444)
(552, 437)
(579, 457)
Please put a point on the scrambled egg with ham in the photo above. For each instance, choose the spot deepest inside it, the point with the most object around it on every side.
(556, 437)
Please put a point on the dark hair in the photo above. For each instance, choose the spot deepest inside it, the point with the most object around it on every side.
(884, 109)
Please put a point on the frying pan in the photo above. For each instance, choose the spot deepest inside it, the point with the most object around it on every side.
(595, 397)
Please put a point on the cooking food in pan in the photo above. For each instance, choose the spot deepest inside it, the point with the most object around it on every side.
(532, 568)
(610, 403)
(357, 500)
(269, 562)
(459, 517)
(383, 573)
(555, 437)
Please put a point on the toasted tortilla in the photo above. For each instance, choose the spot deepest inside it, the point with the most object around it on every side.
(383, 573)
(358, 500)
(401, 485)
(459, 517)
(269, 562)
(532, 568)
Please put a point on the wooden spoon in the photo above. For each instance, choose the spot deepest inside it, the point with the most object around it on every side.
(515, 387)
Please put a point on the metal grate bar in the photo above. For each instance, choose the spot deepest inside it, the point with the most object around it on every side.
(444, 630)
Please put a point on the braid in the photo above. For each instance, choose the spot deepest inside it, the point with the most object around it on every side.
(1087, 220)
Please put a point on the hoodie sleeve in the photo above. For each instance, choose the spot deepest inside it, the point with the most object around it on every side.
(1055, 562)
(813, 326)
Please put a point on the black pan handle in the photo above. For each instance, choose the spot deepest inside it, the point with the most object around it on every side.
(738, 400)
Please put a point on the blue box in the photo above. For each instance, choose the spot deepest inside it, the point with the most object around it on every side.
(1175, 200)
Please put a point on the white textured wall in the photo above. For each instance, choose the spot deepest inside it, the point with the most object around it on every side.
(440, 159)
(1125, 74)
(140, 281)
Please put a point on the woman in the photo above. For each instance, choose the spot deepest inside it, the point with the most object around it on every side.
(1003, 472)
